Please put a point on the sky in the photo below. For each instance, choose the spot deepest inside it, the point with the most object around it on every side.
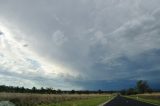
(79, 44)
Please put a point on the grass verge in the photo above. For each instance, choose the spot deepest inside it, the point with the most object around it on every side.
(155, 100)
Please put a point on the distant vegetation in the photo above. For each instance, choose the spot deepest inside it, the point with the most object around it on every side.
(141, 87)
(42, 90)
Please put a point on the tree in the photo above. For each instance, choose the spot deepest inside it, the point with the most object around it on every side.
(49, 90)
(142, 86)
(72, 91)
(42, 90)
(34, 89)
(59, 91)
(22, 89)
(99, 91)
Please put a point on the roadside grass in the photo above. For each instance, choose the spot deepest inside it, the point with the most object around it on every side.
(148, 98)
(95, 101)
(28, 99)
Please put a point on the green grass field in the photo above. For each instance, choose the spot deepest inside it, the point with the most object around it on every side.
(84, 102)
(148, 98)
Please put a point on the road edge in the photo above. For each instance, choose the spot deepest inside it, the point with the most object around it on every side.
(102, 104)
(142, 100)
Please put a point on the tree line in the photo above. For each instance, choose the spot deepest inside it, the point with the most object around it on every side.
(12, 89)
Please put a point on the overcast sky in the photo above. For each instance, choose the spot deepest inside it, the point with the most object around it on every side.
(79, 44)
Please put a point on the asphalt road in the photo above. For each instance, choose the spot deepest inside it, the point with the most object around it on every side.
(122, 101)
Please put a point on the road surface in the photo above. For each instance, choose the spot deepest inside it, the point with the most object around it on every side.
(122, 101)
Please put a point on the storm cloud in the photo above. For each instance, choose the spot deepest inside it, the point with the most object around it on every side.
(79, 44)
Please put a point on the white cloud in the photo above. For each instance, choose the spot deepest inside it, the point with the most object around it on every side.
(20, 61)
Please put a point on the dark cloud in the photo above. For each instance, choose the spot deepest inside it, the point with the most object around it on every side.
(100, 42)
